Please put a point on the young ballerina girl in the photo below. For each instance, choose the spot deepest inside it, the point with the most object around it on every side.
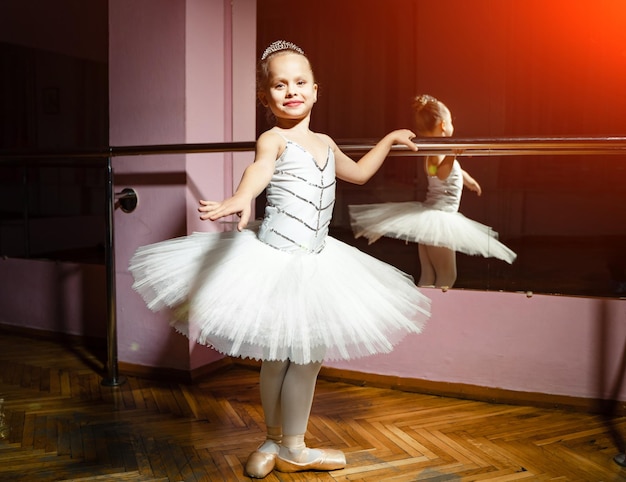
(435, 224)
(289, 294)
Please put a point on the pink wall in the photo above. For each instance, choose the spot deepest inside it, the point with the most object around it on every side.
(545, 344)
(171, 81)
(57, 297)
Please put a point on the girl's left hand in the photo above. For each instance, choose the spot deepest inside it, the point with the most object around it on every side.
(405, 137)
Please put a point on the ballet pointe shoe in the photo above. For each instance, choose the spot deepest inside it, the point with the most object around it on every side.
(260, 464)
(329, 459)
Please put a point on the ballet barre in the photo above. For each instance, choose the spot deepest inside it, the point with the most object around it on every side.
(506, 147)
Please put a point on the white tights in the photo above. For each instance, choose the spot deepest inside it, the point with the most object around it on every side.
(287, 391)
(438, 266)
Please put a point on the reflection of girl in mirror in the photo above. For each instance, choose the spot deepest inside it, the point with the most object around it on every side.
(286, 293)
(435, 224)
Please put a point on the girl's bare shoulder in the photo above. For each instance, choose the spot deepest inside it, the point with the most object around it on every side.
(326, 139)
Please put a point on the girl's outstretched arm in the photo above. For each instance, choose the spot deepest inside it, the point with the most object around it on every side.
(255, 178)
(470, 183)
(361, 171)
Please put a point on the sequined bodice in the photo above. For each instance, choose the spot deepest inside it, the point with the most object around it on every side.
(446, 195)
(300, 200)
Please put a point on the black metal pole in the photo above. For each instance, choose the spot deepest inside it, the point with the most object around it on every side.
(113, 379)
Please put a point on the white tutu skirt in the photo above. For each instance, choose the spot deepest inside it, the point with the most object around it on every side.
(418, 223)
(243, 298)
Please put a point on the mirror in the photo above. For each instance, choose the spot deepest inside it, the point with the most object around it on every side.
(506, 70)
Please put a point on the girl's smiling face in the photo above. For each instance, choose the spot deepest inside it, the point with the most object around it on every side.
(290, 90)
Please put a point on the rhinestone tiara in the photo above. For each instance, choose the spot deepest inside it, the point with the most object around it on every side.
(280, 45)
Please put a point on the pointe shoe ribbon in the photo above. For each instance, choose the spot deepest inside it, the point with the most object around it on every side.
(260, 464)
(329, 459)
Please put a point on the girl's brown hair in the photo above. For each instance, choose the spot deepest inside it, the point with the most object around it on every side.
(428, 113)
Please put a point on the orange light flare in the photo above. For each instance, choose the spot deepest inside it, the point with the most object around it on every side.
(579, 51)
(589, 34)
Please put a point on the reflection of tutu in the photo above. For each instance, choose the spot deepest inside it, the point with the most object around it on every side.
(244, 298)
(416, 222)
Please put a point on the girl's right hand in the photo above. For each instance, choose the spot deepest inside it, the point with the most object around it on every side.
(213, 210)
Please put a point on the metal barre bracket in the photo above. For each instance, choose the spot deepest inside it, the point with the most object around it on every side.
(127, 199)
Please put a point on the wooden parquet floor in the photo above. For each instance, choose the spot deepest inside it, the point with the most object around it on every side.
(57, 422)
